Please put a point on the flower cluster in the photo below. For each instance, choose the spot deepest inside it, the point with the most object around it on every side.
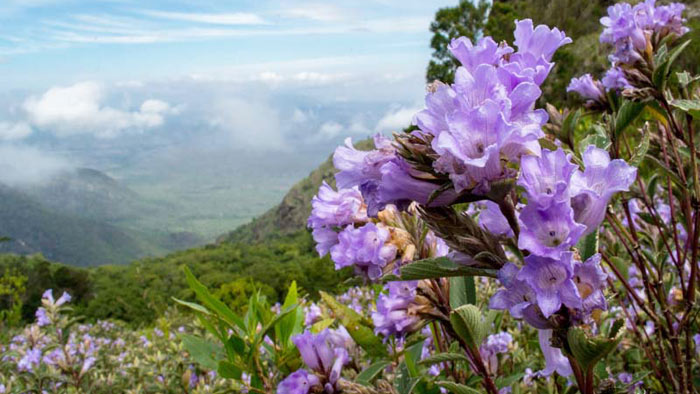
(486, 118)
(394, 315)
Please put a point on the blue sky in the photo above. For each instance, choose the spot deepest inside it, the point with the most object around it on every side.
(117, 84)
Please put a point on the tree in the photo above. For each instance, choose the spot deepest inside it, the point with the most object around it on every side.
(466, 19)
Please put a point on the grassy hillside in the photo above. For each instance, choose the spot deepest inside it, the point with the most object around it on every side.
(33, 228)
(289, 216)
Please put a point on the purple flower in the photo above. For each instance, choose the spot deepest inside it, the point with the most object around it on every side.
(330, 208)
(491, 218)
(546, 178)
(365, 248)
(516, 296)
(299, 382)
(486, 51)
(400, 185)
(31, 359)
(42, 319)
(312, 315)
(325, 239)
(393, 316)
(614, 79)
(593, 188)
(492, 346)
(363, 169)
(587, 87)
(550, 231)
(555, 361)
(322, 354)
(590, 282)
(552, 282)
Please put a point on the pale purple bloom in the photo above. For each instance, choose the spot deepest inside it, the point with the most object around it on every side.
(332, 208)
(546, 178)
(587, 87)
(400, 185)
(87, 364)
(312, 315)
(42, 319)
(491, 219)
(550, 231)
(516, 294)
(486, 51)
(593, 188)
(590, 280)
(696, 339)
(614, 79)
(492, 346)
(552, 282)
(323, 355)
(365, 248)
(325, 239)
(393, 316)
(48, 296)
(555, 361)
(30, 360)
(299, 382)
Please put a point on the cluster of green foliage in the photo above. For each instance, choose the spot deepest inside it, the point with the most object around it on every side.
(141, 291)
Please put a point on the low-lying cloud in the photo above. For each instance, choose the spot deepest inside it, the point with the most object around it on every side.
(25, 165)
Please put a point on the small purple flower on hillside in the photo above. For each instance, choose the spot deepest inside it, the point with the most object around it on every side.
(30, 360)
(486, 51)
(492, 346)
(299, 382)
(587, 88)
(550, 231)
(536, 46)
(696, 339)
(552, 282)
(42, 319)
(332, 208)
(401, 185)
(325, 239)
(470, 149)
(628, 28)
(393, 315)
(614, 79)
(87, 364)
(48, 297)
(546, 178)
(516, 295)
(362, 169)
(491, 219)
(592, 189)
(555, 361)
(590, 278)
(365, 248)
(312, 315)
(321, 354)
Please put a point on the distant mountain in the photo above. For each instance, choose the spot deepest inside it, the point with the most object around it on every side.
(34, 228)
(289, 216)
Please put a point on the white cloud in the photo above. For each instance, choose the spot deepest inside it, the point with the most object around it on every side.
(14, 131)
(322, 12)
(249, 123)
(396, 119)
(79, 109)
(299, 116)
(22, 165)
(330, 129)
(236, 18)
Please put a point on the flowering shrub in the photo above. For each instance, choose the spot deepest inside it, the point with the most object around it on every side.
(582, 224)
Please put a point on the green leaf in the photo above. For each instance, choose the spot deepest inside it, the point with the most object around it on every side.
(321, 325)
(629, 111)
(685, 79)
(292, 323)
(412, 357)
(260, 336)
(235, 344)
(597, 137)
(462, 291)
(443, 357)
(469, 324)
(212, 302)
(192, 305)
(588, 246)
(228, 370)
(404, 383)
(370, 373)
(203, 352)
(457, 388)
(358, 327)
(662, 71)
(690, 106)
(642, 149)
(507, 381)
(568, 126)
(588, 351)
(441, 267)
